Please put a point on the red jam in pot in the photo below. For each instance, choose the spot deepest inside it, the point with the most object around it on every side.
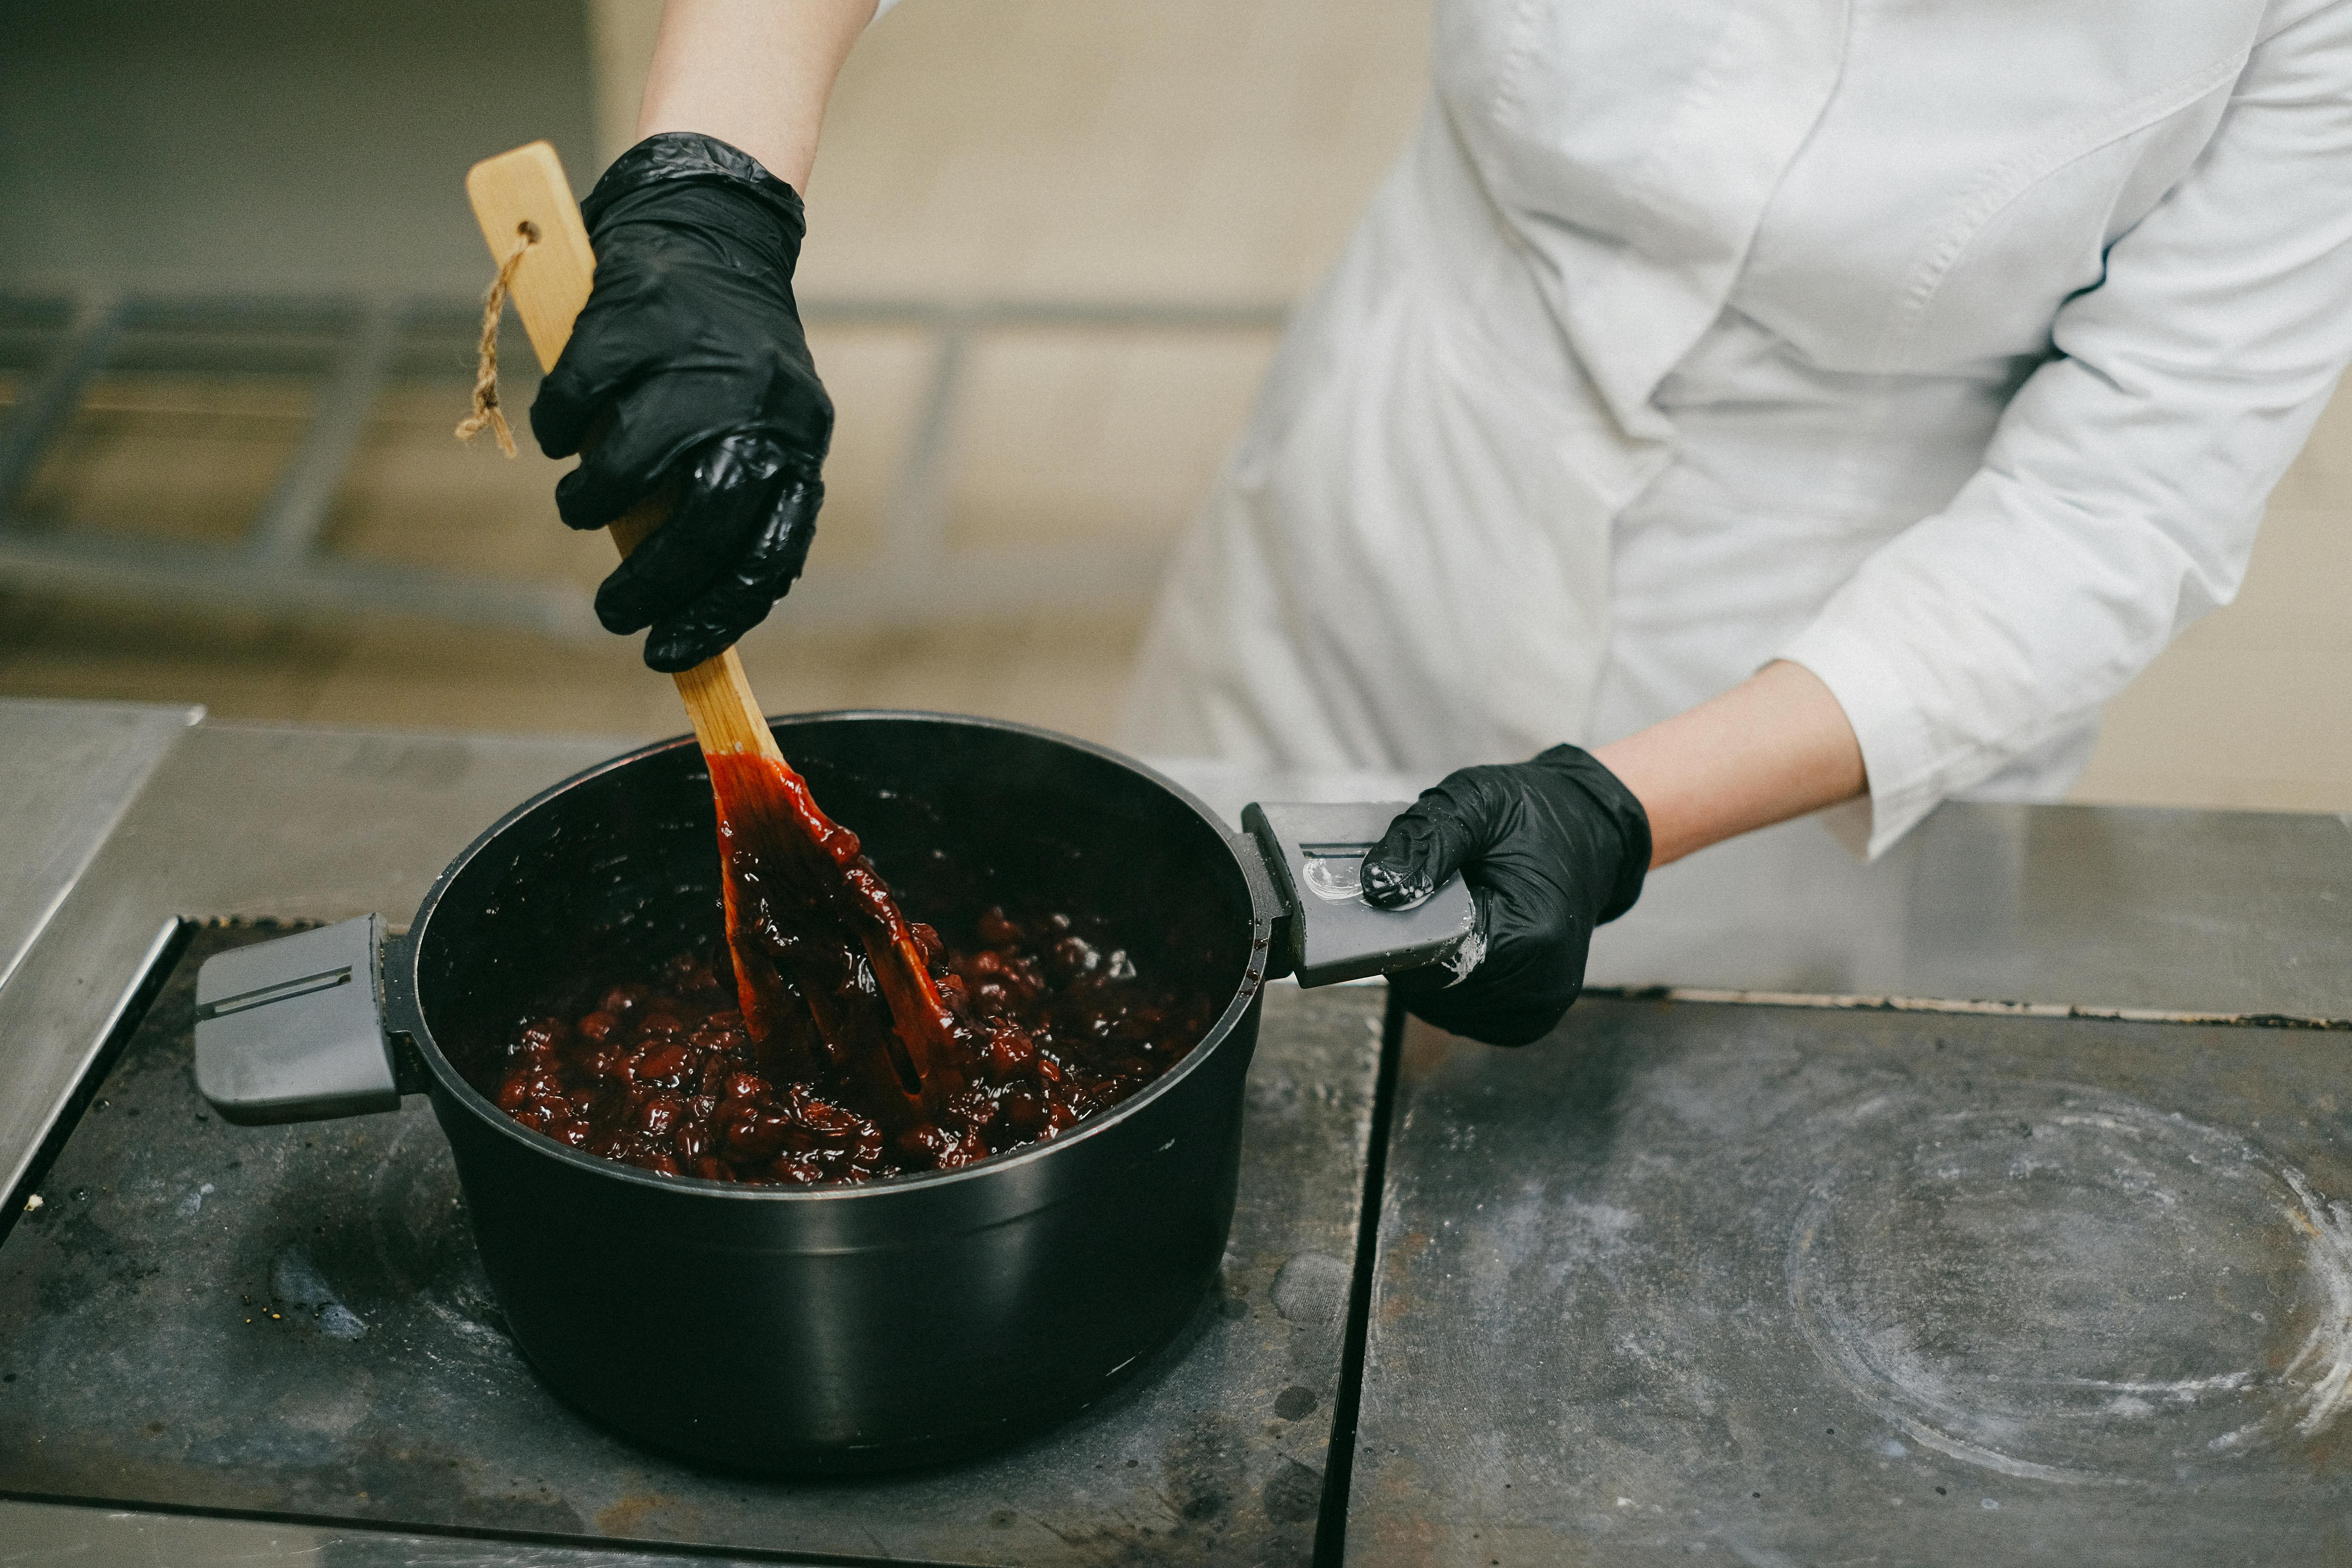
(1048, 1029)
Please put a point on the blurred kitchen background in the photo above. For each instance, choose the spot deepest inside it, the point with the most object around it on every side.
(1051, 242)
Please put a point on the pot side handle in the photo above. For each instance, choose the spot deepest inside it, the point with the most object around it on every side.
(1327, 933)
(293, 1029)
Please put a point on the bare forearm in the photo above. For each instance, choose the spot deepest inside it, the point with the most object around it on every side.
(1773, 747)
(753, 73)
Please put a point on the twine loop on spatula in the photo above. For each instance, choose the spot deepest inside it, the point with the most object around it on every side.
(486, 415)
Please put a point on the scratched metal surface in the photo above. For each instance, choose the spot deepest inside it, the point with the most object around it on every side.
(1807, 1286)
(293, 1321)
(64, 1535)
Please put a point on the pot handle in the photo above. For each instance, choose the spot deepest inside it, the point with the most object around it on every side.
(1325, 932)
(293, 1029)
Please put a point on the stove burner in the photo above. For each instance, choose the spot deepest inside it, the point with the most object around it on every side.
(292, 1321)
(2063, 1284)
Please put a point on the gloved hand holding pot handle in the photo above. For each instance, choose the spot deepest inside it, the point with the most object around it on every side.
(1551, 848)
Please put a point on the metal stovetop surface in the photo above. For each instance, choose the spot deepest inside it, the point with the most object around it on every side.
(1798, 1285)
(293, 1323)
(1619, 1319)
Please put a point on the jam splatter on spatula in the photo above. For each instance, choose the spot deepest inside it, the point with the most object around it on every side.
(816, 936)
(824, 959)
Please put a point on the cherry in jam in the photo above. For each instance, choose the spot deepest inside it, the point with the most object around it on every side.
(1045, 1029)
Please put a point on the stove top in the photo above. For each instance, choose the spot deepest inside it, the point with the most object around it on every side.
(292, 1324)
(1864, 1285)
(1606, 1326)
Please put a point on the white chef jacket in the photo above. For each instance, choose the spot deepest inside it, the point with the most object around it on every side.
(1948, 351)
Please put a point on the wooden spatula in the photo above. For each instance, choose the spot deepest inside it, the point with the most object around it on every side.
(784, 860)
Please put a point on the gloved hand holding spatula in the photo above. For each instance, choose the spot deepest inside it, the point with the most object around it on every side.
(688, 366)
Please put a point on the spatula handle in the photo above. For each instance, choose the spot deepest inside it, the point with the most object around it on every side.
(523, 192)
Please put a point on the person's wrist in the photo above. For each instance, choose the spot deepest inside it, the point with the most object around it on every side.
(1620, 813)
(651, 175)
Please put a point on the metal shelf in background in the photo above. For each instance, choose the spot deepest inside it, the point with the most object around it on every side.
(351, 344)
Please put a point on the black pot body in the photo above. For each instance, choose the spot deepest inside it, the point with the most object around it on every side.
(864, 1327)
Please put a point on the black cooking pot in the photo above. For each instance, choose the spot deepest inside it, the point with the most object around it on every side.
(843, 1328)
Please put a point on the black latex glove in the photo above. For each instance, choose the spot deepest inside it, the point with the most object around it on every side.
(1551, 848)
(688, 362)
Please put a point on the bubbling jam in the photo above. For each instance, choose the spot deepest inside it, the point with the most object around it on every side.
(1040, 1029)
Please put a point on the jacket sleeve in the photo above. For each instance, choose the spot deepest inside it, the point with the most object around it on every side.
(2118, 499)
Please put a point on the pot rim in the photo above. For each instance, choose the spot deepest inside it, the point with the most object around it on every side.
(445, 1074)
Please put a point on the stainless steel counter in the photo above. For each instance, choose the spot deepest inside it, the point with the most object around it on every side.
(2100, 908)
(2195, 912)
(67, 773)
(288, 824)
